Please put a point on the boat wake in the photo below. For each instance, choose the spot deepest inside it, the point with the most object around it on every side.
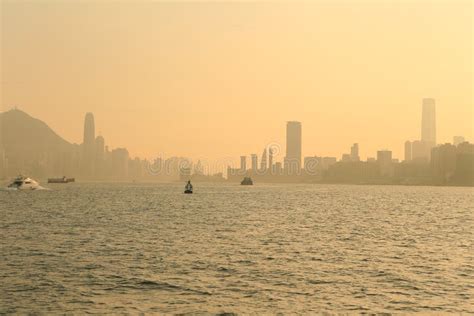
(39, 188)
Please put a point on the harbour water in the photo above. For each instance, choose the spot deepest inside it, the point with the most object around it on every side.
(132, 248)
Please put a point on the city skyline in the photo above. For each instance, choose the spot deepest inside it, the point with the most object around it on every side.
(358, 76)
(428, 108)
(94, 159)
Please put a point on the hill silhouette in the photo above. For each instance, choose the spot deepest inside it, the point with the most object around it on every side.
(22, 134)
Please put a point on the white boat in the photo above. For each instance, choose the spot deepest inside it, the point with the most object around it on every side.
(24, 183)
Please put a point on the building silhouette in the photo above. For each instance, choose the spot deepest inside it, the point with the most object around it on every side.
(119, 161)
(99, 156)
(270, 160)
(408, 151)
(293, 148)
(355, 152)
(384, 160)
(243, 163)
(88, 145)
(263, 162)
(254, 163)
(346, 158)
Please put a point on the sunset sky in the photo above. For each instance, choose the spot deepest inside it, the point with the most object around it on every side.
(219, 79)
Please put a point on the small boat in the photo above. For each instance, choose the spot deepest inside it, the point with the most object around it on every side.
(23, 183)
(188, 189)
(247, 181)
(61, 180)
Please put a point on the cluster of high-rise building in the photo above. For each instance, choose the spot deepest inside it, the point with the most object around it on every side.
(420, 150)
(97, 161)
(425, 162)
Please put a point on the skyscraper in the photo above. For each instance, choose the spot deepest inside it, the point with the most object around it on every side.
(263, 162)
(293, 148)
(355, 152)
(254, 163)
(243, 163)
(270, 159)
(89, 145)
(428, 122)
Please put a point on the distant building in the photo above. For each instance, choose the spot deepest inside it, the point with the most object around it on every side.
(119, 162)
(185, 173)
(89, 145)
(355, 152)
(135, 168)
(327, 162)
(198, 169)
(270, 159)
(293, 148)
(263, 162)
(408, 151)
(278, 168)
(464, 174)
(421, 151)
(254, 163)
(243, 163)
(99, 155)
(346, 158)
(443, 161)
(312, 165)
(384, 160)
(458, 140)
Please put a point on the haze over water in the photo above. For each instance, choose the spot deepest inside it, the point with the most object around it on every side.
(268, 248)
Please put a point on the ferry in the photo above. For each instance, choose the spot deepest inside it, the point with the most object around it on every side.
(61, 180)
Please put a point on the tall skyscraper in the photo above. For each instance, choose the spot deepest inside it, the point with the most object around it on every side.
(89, 145)
(243, 163)
(254, 163)
(355, 152)
(293, 148)
(263, 162)
(428, 122)
(270, 159)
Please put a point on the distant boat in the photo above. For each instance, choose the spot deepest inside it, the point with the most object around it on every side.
(247, 181)
(23, 183)
(61, 180)
(188, 189)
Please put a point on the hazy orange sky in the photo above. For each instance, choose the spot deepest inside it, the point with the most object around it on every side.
(217, 79)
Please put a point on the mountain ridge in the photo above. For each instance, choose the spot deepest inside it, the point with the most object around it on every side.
(21, 133)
